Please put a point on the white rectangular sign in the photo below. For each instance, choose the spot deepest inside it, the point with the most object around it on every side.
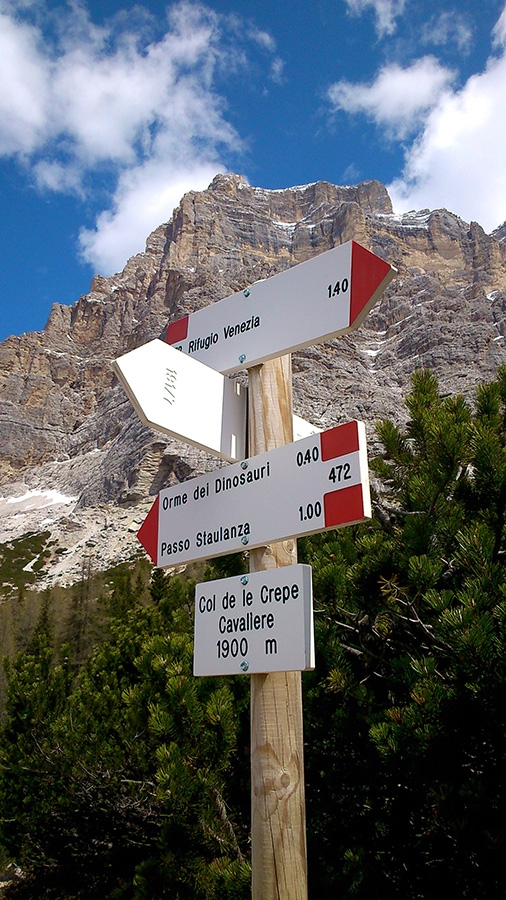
(309, 303)
(261, 622)
(182, 397)
(314, 484)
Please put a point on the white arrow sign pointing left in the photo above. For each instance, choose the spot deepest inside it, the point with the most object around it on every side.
(311, 485)
(181, 396)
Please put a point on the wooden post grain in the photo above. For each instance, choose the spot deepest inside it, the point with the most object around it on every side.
(278, 821)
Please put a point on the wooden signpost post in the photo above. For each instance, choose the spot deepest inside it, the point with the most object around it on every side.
(327, 295)
(278, 805)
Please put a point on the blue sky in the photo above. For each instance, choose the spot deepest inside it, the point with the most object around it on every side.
(110, 111)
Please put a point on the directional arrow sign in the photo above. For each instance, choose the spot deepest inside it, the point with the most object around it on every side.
(185, 398)
(262, 622)
(307, 304)
(182, 397)
(314, 484)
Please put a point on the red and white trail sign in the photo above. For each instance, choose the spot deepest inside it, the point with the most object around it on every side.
(311, 485)
(312, 302)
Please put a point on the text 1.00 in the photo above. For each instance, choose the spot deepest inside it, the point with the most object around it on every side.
(310, 511)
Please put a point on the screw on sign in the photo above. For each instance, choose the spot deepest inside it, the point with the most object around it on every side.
(312, 302)
(311, 485)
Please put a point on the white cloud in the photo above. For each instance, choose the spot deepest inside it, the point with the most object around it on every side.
(448, 27)
(386, 12)
(262, 38)
(499, 32)
(458, 159)
(25, 94)
(455, 157)
(277, 69)
(145, 197)
(84, 99)
(398, 98)
(351, 175)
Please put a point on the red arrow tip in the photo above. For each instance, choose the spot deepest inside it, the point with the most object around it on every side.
(148, 532)
(368, 272)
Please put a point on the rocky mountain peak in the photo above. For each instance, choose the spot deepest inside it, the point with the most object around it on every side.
(66, 425)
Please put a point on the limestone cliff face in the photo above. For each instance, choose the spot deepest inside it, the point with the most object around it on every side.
(65, 423)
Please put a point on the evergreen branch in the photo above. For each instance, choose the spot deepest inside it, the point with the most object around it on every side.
(229, 828)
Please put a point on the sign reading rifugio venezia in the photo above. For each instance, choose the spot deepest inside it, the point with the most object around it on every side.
(311, 485)
(311, 302)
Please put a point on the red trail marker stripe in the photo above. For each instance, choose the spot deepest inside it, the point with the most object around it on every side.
(339, 441)
(367, 274)
(343, 507)
(177, 331)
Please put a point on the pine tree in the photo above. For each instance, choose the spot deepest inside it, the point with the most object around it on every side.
(406, 707)
(118, 787)
(129, 782)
